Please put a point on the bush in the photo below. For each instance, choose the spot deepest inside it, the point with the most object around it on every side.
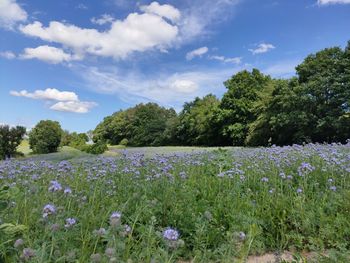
(124, 142)
(96, 148)
(45, 137)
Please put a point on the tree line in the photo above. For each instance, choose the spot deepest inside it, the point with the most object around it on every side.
(256, 110)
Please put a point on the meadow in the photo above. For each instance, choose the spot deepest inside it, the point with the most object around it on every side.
(176, 204)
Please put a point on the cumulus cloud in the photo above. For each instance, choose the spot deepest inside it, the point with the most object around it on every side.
(48, 54)
(7, 54)
(236, 60)
(262, 48)
(104, 19)
(73, 106)
(166, 11)
(67, 101)
(48, 94)
(11, 13)
(196, 53)
(330, 2)
(136, 33)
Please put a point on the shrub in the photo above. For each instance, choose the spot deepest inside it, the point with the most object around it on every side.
(124, 142)
(45, 137)
(96, 148)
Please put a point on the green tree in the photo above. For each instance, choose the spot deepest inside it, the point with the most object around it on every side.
(325, 80)
(195, 121)
(10, 138)
(237, 105)
(142, 125)
(45, 137)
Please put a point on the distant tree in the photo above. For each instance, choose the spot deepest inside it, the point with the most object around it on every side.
(10, 138)
(66, 138)
(45, 137)
(142, 125)
(195, 121)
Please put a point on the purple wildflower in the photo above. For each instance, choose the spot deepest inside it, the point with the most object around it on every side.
(171, 234)
(264, 179)
(48, 209)
(70, 222)
(55, 186)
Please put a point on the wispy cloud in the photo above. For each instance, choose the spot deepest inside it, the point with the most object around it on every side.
(332, 2)
(262, 48)
(104, 19)
(170, 90)
(235, 60)
(7, 55)
(196, 53)
(282, 69)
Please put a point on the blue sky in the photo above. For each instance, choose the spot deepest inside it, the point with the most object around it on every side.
(78, 61)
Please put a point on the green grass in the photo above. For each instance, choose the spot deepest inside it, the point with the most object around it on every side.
(64, 153)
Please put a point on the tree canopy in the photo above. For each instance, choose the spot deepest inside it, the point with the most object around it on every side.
(256, 110)
(45, 137)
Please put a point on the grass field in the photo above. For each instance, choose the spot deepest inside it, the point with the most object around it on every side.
(177, 204)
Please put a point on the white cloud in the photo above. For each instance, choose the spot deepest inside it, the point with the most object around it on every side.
(262, 48)
(67, 101)
(236, 60)
(104, 19)
(48, 54)
(11, 13)
(48, 94)
(184, 86)
(7, 54)
(170, 90)
(200, 16)
(196, 53)
(136, 33)
(167, 11)
(74, 106)
(330, 2)
(81, 6)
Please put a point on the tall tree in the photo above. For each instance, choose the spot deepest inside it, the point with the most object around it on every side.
(236, 108)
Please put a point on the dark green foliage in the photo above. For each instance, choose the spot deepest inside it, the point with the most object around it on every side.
(96, 148)
(236, 108)
(311, 108)
(45, 137)
(141, 125)
(10, 138)
(195, 121)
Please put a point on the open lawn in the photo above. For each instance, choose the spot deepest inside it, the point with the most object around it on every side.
(186, 205)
